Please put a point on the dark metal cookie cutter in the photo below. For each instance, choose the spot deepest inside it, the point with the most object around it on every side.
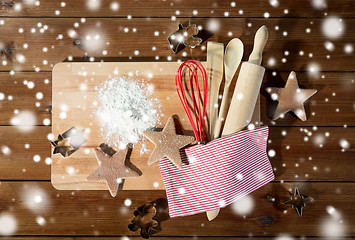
(68, 142)
(298, 201)
(184, 36)
(144, 219)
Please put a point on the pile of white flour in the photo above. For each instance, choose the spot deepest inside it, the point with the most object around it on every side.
(125, 109)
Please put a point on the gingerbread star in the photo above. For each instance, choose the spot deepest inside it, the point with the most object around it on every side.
(167, 144)
(291, 98)
(111, 169)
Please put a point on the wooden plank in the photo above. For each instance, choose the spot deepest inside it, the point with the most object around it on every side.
(23, 98)
(109, 39)
(332, 105)
(334, 92)
(299, 155)
(209, 8)
(38, 237)
(96, 213)
(159, 237)
(204, 238)
(19, 163)
(321, 164)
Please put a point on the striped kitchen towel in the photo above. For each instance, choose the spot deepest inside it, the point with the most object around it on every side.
(218, 173)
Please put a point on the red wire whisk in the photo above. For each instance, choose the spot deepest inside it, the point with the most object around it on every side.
(196, 109)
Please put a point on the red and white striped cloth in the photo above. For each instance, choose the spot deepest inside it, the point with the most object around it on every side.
(218, 173)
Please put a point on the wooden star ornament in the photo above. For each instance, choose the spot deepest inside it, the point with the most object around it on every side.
(291, 98)
(167, 144)
(111, 169)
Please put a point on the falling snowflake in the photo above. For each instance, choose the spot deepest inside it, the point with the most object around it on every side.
(243, 206)
(24, 121)
(344, 143)
(8, 224)
(213, 25)
(319, 4)
(333, 27)
(35, 198)
(115, 6)
(5, 150)
(93, 5)
(274, 3)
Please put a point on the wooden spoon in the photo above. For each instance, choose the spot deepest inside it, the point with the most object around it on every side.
(232, 58)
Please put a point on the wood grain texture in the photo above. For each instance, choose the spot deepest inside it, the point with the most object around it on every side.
(23, 97)
(209, 8)
(155, 237)
(106, 37)
(94, 212)
(38, 237)
(19, 164)
(333, 105)
(295, 159)
(88, 214)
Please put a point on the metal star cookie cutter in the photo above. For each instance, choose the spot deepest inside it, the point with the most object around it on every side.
(298, 201)
(68, 142)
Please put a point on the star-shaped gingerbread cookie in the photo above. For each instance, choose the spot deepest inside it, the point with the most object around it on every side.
(167, 144)
(291, 98)
(112, 169)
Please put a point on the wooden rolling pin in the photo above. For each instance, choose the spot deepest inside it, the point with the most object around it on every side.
(247, 88)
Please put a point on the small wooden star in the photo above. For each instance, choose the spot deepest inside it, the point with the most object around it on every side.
(184, 35)
(298, 201)
(167, 144)
(111, 169)
(290, 98)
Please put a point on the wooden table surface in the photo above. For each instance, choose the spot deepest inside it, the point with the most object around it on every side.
(317, 155)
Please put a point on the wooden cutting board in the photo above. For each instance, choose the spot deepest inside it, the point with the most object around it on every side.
(73, 92)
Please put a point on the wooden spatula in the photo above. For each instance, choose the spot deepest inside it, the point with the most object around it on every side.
(215, 74)
(232, 57)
